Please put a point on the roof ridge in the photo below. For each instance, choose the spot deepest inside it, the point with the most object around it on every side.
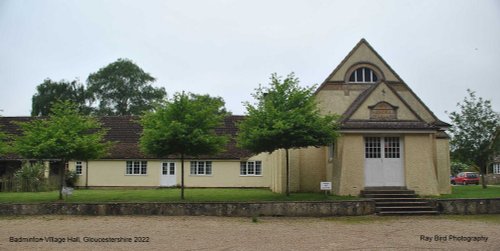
(351, 52)
(341, 63)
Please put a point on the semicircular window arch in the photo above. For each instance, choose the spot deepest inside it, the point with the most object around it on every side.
(363, 75)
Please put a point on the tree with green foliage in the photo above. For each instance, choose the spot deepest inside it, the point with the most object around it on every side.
(285, 116)
(184, 126)
(458, 167)
(64, 135)
(123, 88)
(4, 146)
(50, 92)
(473, 132)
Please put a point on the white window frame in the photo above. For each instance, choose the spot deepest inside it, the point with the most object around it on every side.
(140, 165)
(363, 79)
(496, 168)
(169, 167)
(249, 168)
(201, 168)
(78, 167)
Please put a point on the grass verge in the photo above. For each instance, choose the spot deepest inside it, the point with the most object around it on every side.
(166, 195)
(472, 191)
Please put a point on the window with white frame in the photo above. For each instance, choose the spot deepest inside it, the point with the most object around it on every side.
(496, 168)
(137, 168)
(372, 148)
(78, 167)
(363, 75)
(201, 168)
(251, 168)
(392, 147)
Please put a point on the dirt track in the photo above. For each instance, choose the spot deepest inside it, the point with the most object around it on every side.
(217, 233)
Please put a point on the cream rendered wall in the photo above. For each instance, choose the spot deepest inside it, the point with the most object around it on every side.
(352, 173)
(276, 163)
(417, 106)
(312, 168)
(335, 101)
(443, 165)
(81, 178)
(112, 173)
(336, 165)
(420, 171)
(363, 54)
(294, 165)
(382, 93)
(330, 163)
(224, 174)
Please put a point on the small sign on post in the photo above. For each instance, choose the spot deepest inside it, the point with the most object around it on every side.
(67, 191)
(325, 186)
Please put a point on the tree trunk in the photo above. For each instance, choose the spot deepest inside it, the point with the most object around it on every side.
(62, 171)
(182, 176)
(481, 171)
(287, 173)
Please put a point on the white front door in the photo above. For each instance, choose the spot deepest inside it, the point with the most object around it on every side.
(384, 161)
(167, 177)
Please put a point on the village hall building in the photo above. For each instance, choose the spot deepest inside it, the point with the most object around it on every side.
(388, 138)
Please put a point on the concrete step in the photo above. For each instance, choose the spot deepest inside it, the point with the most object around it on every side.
(385, 195)
(385, 188)
(418, 202)
(365, 192)
(407, 213)
(403, 208)
(398, 199)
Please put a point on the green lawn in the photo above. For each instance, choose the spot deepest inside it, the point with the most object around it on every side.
(472, 191)
(166, 195)
(212, 194)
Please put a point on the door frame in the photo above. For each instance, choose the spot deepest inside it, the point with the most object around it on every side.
(173, 180)
(385, 168)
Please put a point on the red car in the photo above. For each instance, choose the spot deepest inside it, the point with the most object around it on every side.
(466, 178)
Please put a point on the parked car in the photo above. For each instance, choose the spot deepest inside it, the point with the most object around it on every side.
(465, 178)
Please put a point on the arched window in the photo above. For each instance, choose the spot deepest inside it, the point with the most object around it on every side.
(363, 75)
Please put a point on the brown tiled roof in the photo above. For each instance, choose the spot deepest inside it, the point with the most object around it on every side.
(126, 131)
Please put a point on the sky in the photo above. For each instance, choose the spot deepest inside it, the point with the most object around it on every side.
(227, 48)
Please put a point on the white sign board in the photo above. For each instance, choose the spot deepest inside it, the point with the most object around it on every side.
(326, 185)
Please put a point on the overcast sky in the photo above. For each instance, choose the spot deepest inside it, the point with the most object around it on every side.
(227, 48)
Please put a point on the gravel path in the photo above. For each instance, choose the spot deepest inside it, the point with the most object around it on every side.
(218, 233)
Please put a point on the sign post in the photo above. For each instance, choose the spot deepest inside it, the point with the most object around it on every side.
(325, 186)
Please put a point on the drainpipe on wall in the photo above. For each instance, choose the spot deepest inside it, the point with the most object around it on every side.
(86, 174)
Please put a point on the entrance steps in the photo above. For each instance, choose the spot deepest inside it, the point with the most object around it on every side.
(398, 201)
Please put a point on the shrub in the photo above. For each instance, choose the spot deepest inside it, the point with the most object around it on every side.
(30, 178)
(71, 178)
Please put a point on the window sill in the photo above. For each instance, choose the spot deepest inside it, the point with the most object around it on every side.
(136, 174)
(251, 175)
(201, 175)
